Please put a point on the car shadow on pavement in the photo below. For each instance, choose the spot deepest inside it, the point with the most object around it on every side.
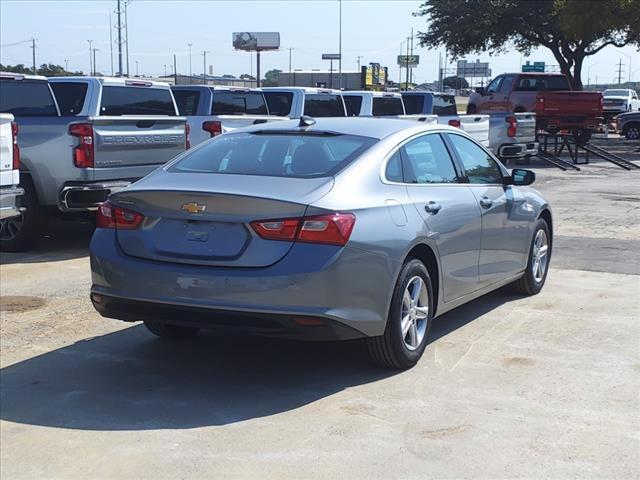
(64, 240)
(130, 380)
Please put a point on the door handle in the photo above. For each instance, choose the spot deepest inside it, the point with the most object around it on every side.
(486, 202)
(432, 207)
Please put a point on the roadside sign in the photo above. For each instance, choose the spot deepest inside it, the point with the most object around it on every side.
(330, 56)
(535, 67)
(411, 60)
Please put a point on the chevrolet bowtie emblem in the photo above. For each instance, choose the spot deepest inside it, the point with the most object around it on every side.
(193, 207)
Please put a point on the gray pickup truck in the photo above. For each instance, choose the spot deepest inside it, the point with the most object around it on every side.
(94, 137)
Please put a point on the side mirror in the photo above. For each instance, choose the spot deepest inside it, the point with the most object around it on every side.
(521, 177)
(481, 91)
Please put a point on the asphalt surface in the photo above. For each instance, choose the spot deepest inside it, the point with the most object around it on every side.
(509, 387)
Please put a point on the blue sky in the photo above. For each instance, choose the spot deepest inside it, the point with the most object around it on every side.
(158, 29)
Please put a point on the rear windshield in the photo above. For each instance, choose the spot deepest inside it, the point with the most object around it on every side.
(279, 103)
(323, 105)
(536, 83)
(24, 98)
(353, 103)
(187, 101)
(387, 106)
(238, 103)
(444, 105)
(413, 104)
(275, 154)
(136, 101)
(70, 96)
(615, 93)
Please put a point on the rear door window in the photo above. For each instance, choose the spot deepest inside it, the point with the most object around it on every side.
(536, 83)
(70, 96)
(25, 98)
(444, 105)
(323, 105)
(238, 103)
(275, 154)
(279, 103)
(413, 104)
(187, 101)
(136, 101)
(387, 106)
(353, 103)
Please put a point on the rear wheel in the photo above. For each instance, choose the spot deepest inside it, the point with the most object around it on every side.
(20, 233)
(166, 330)
(534, 277)
(409, 321)
(632, 131)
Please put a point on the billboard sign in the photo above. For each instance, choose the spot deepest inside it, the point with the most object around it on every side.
(330, 56)
(535, 67)
(472, 69)
(411, 60)
(254, 41)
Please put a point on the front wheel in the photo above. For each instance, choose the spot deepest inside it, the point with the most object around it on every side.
(535, 275)
(166, 330)
(21, 233)
(409, 320)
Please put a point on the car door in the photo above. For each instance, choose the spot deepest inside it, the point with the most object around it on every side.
(487, 102)
(506, 216)
(448, 208)
(503, 96)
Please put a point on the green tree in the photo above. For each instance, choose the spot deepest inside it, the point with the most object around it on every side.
(571, 29)
(246, 76)
(46, 69)
(455, 82)
(271, 78)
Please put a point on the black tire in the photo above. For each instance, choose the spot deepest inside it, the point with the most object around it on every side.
(582, 136)
(19, 234)
(174, 332)
(632, 131)
(527, 284)
(472, 109)
(390, 349)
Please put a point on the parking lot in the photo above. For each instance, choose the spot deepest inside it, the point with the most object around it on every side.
(546, 386)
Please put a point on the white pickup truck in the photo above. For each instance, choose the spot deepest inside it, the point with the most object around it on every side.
(9, 170)
(211, 110)
(293, 102)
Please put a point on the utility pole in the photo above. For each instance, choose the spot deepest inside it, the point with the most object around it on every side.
(33, 48)
(359, 57)
(400, 67)
(406, 86)
(190, 70)
(137, 68)
(258, 68)
(90, 57)
(66, 64)
(411, 74)
(175, 70)
(126, 32)
(340, 47)
(119, 12)
(111, 42)
(620, 72)
(165, 69)
(204, 66)
(290, 65)
(95, 70)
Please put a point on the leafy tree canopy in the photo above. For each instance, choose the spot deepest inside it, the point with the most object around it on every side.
(271, 78)
(571, 29)
(46, 69)
(246, 76)
(455, 82)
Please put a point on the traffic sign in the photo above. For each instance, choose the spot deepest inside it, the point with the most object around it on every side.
(408, 60)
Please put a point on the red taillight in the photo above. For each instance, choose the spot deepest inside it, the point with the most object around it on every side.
(332, 229)
(16, 148)
(512, 129)
(214, 128)
(83, 152)
(454, 123)
(110, 216)
(187, 131)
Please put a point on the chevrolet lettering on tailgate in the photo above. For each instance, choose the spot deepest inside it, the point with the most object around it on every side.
(141, 139)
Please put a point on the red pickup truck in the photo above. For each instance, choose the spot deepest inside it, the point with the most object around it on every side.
(549, 95)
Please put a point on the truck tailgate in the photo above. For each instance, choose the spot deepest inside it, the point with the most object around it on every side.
(137, 140)
(568, 104)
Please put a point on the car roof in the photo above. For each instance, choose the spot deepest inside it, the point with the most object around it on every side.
(301, 89)
(373, 127)
(373, 94)
(22, 76)
(113, 81)
(223, 88)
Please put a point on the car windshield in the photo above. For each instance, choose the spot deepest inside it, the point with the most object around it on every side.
(25, 98)
(615, 93)
(387, 106)
(413, 104)
(136, 101)
(275, 154)
(238, 103)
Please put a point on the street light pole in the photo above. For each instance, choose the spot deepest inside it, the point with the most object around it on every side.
(190, 70)
(340, 47)
(90, 64)
(137, 68)
(66, 64)
(94, 60)
(204, 64)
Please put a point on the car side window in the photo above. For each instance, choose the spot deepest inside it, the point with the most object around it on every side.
(507, 83)
(393, 172)
(478, 164)
(427, 160)
(494, 86)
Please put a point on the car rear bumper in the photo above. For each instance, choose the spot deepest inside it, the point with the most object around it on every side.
(518, 150)
(346, 290)
(85, 196)
(8, 204)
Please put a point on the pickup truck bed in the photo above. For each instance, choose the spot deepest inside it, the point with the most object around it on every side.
(568, 110)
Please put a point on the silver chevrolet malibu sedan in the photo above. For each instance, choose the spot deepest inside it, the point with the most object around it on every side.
(320, 230)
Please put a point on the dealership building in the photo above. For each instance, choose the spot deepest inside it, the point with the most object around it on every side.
(370, 77)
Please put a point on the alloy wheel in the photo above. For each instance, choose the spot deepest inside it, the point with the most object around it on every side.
(415, 313)
(540, 256)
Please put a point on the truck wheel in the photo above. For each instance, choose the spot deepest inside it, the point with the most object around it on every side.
(582, 136)
(19, 234)
(632, 131)
(471, 109)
